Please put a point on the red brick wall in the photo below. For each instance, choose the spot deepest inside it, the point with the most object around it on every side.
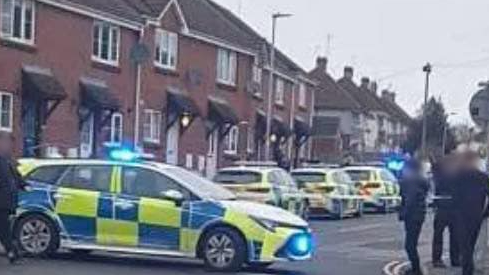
(63, 43)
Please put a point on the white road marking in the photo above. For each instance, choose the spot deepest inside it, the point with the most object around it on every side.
(399, 267)
(388, 267)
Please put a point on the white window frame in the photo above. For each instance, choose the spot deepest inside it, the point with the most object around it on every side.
(9, 35)
(98, 58)
(257, 73)
(171, 48)
(232, 140)
(250, 142)
(279, 91)
(152, 128)
(116, 132)
(227, 63)
(302, 95)
(10, 98)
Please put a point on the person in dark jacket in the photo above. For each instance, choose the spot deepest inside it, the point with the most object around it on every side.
(444, 172)
(414, 189)
(10, 185)
(470, 204)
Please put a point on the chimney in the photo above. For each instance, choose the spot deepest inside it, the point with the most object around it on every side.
(374, 87)
(348, 72)
(322, 63)
(391, 97)
(364, 83)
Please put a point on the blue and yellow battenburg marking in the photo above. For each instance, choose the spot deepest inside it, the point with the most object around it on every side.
(111, 218)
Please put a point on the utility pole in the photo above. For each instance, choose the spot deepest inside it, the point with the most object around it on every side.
(268, 144)
(427, 70)
(445, 134)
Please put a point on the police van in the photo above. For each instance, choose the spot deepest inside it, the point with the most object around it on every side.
(150, 208)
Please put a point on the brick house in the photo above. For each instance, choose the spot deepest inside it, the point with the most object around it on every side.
(182, 80)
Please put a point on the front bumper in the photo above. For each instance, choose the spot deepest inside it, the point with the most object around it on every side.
(336, 205)
(383, 202)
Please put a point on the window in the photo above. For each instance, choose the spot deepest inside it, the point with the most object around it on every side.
(18, 20)
(238, 177)
(116, 129)
(250, 141)
(166, 49)
(106, 38)
(95, 178)
(141, 182)
(257, 73)
(152, 126)
(226, 66)
(279, 91)
(302, 95)
(47, 175)
(232, 140)
(309, 177)
(6, 115)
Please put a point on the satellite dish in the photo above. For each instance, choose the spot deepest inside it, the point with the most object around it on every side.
(140, 53)
(479, 108)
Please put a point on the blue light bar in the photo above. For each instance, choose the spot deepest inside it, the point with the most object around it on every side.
(123, 155)
(300, 245)
(395, 165)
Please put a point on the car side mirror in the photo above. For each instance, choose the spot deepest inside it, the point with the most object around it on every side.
(173, 195)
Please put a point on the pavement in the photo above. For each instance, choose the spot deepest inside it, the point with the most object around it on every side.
(348, 247)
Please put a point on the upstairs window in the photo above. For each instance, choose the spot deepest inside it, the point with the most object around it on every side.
(6, 115)
(226, 66)
(152, 126)
(279, 91)
(302, 95)
(106, 40)
(17, 20)
(166, 49)
(232, 140)
(257, 72)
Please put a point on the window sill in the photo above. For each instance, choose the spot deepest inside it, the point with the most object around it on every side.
(280, 106)
(231, 155)
(17, 44)
(227, 86)
(258, 96)
(6, 130)
(152, 144)
(303, 108)
(166, 71)
(113, 68)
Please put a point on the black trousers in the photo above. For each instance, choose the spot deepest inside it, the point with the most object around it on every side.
(468, 234)
(443, 220)
(6, 236)
(413, 231)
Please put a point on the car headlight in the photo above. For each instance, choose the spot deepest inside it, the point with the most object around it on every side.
(267, 224)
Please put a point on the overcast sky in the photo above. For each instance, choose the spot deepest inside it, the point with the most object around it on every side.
(386, 40)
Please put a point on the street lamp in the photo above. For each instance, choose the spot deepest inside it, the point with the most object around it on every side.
(427, 70)
(275, 16)
(445, 133)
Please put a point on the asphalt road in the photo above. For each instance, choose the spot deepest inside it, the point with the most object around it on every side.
(349, 247)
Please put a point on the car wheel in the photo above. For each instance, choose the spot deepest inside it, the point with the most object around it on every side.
(224, 250)
(36, 236)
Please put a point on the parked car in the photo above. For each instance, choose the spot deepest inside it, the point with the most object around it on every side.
(378, 187)
(330, 192)
(150, 208)
(264, 184)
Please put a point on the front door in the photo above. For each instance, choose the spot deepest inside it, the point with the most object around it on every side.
(83, 203)
(87, 137)
(31, 127)
(172, 144)
(150, 220)
(211, 166)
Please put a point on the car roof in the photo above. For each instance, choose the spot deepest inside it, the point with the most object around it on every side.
(62, 161)
(362, 168)
(314, 170)
(256, 169)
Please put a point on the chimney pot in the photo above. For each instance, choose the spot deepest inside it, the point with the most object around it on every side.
(348, 72)
(322, 63)
(365, 82)
(374, 87)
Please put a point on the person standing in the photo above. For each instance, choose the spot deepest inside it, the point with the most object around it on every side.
(10, 185)
(470, 204)
(414, 189)
(444, 172)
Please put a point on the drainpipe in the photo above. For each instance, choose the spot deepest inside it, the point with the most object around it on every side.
(312, 113)
(138, 98)
(291, 120)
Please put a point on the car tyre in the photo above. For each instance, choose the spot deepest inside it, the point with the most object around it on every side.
(36, 236)
(224, 250)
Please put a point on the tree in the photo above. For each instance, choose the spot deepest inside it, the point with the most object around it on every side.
(437, 123)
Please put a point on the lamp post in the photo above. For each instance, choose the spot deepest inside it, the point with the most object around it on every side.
(427, 70)
(268, 133)
(445, 134)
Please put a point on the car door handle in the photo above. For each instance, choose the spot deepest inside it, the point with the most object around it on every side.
(124, 205)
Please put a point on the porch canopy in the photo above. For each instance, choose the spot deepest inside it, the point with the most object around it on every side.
(280, 128)
(301, 130)
(181, 103)
(221, 112)
(40, 83)
(95, 95)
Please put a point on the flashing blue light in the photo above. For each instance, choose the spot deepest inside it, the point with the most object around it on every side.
(395, 165)
(300, 245)
(123, 155)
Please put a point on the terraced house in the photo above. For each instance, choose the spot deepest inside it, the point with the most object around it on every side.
(185, 81)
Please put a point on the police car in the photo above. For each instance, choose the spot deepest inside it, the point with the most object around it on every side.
(330, 192)
(264, 183)
(150, 208)
(378, 187)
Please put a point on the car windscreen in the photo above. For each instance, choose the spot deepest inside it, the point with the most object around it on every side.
(201, 186)
(359, 175)
(237, 177)
(308, 177)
